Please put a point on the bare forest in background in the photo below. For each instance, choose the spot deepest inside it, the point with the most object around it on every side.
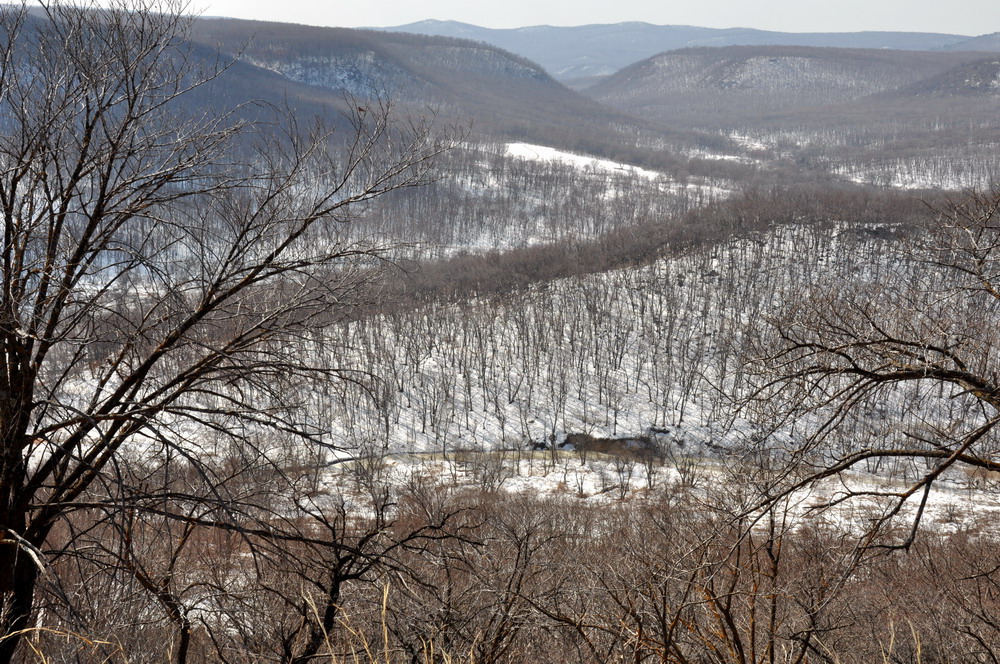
(327, 345)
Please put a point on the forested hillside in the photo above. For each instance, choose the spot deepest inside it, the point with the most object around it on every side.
(898, 118)
(493, 91)
(757, 80)
(351, 346)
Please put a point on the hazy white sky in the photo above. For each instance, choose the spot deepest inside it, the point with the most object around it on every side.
(970, 17)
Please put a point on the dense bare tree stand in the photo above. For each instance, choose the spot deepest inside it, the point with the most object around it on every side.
(163, 271)
(914, 350)
(172, 330)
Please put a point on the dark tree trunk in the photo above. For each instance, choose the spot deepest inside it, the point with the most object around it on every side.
(18, 573)
(18, 566)
(320, 633)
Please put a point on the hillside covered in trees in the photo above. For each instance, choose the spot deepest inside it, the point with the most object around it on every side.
(346, 345)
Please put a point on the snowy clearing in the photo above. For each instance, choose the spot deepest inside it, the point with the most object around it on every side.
(542, 153)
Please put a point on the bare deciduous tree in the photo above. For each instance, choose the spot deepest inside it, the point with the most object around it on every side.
(166, 272)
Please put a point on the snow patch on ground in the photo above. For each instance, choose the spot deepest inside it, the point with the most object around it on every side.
(543, 153)
(715, 156)
(903, 176)
(748, 142)
(950, 507)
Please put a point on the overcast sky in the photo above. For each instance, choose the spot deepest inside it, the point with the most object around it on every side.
(969, 17)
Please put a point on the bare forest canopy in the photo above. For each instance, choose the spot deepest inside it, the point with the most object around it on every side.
(642, 240)
(872, 116)
(353, 346)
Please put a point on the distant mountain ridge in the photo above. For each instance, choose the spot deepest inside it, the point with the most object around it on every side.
(698, 86)
(591, 51)
(989, 43)
(673, 112)
(504, 96)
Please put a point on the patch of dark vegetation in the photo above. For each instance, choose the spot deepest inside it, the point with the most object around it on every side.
(636, 447)
(890, 213)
